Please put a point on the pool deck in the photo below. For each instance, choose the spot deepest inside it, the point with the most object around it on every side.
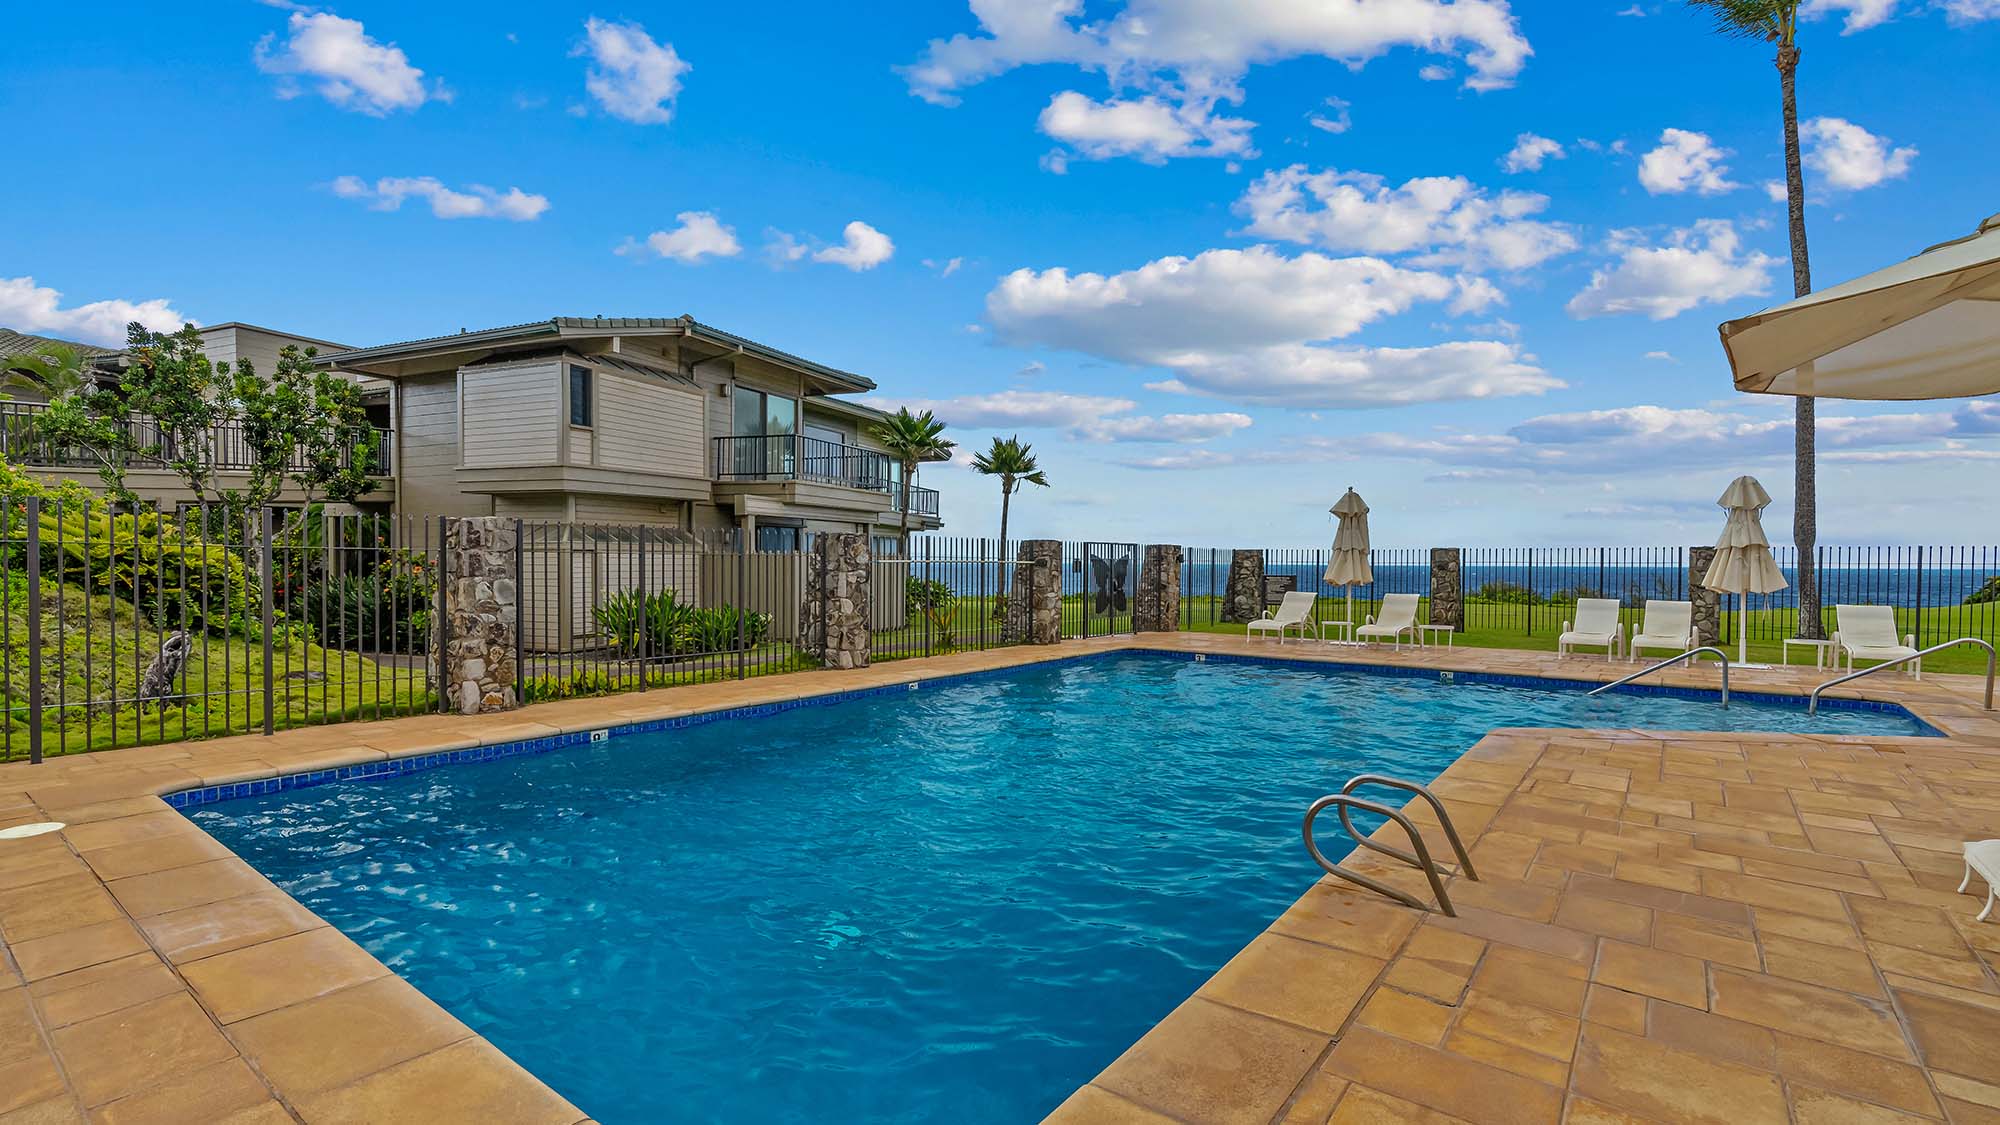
(1667, 927)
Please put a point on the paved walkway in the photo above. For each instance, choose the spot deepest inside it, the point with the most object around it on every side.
(1698, 927)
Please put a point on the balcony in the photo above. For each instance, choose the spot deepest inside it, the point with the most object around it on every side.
(22, 443)
(791, 457)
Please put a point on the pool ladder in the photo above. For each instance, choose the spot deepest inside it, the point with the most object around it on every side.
(1420, 859)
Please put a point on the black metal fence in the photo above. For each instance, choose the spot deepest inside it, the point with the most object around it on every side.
(224, 446)
(129, 626)
(949, 594)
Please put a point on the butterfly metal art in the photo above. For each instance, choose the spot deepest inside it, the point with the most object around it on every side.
(1108, 576)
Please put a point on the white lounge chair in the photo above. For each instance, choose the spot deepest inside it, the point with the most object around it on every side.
(1399, 616)
(1668, 625)
(1982, 858)
(1294, 612)
(1596, 624)
(1868, 632)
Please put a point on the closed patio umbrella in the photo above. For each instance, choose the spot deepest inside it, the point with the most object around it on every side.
(1926, 327)
(1347, 564)
(1743, 564)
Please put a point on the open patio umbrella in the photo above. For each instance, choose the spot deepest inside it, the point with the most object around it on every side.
(1347, 565)
(1927, 327)
(1743, 564)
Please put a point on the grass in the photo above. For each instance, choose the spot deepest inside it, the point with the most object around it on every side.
(95, 653)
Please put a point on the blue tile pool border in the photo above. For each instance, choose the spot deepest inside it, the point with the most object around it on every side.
(419, 763)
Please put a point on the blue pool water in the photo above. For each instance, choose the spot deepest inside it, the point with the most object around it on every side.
(951, 904)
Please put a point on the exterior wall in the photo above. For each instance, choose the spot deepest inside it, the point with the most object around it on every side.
(650, 425)
(428, 451)
(511, 414)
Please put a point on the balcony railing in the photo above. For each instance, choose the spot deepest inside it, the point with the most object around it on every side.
(23, 443)
(786, 457)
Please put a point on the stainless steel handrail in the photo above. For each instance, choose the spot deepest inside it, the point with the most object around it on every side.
(1420, 858)
(1669, 662)
(1437, 806)
(1812, 701)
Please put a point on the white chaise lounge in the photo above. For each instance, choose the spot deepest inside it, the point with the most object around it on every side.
(1294, 612)
(1596, 624)
(1868, 632)
(1399, 616)
(1668, 625)
(1982, 858)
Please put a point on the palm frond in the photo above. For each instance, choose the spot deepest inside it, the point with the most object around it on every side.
(1750, 19)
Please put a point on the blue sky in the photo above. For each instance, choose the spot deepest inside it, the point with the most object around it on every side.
(1216, 260)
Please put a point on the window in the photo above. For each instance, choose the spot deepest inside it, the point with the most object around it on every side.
(759, 415)
(580, 386)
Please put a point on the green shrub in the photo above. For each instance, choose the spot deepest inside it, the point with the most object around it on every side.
(1506, 593)
(660, 625)
(169, 574)
(939, 606)
(1990, 592)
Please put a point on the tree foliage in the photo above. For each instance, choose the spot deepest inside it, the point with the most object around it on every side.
(912, 439)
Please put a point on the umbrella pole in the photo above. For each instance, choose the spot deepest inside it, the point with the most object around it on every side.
(1350, 603)
(1742, 629)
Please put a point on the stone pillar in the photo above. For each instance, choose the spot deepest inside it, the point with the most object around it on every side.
(481, 612)
(1034, 600)
(1447, 588)
(1707, 603)
(1243, 597)
(1156, 604)
(833, 619)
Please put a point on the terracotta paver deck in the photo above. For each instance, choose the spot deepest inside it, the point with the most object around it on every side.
(1676, 927)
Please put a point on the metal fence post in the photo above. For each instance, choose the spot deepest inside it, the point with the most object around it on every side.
(1918, 601)
(521, 617)
(441, 615)
(268, 612)
(34, 562)
(743, 600)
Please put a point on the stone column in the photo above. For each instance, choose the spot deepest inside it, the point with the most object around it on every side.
(1707, 603)
(1034, 599)
(482, 614)
(1243, 597)
(1447, 588)
(833, 618)
(1156, 604)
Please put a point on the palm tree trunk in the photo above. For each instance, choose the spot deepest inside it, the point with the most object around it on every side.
(909, 470)
(1805, 482)
(1006, 495)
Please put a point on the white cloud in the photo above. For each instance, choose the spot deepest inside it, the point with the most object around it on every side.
(1776, 192)
(1685, 161)
(1337, 121)
(1529, 153)
(347, 67)
(1663, 357)
(699, 235)
(946, 267)
(1970, 11)
(1148, 128)
(862, 247)
(1085, 417)
(634, 78)
(1250, 325)
(1212, 42)
(1861, 14)
(1850, 158)
(1435, 73)
(782, 248)
(38, 310)
(477, 201)
(1702, 264)
(1452, 220)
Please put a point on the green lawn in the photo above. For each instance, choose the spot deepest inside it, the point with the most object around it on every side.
(95, 653)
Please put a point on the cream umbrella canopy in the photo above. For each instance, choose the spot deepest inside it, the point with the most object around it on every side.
(1926, 327)
(1347, 564)
(1743, 564)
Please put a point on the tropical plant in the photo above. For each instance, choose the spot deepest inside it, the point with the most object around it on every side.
(911, 439)
(939, 606)
(78, 417)
(55, 370)
(1777, 22)
(659, 625)
(184, 396)
(1014, 463)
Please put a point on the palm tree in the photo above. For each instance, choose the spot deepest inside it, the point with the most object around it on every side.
(911, 439)
(1777, 22)
(56, 370)
(1014, 463)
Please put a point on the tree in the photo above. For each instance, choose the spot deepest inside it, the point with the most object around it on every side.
(1014, 463)
(78, 415)
(911, 439)
(304, 425)
(1777, 22)
(173, 390)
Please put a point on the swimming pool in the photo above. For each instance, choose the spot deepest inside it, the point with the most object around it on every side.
(955, 903)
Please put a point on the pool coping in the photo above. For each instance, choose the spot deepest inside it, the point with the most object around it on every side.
(142, 885)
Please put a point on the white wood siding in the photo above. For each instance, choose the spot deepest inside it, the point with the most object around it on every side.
(427, 450)
(511, 414)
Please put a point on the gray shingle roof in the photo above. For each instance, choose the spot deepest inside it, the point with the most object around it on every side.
(14, 343)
